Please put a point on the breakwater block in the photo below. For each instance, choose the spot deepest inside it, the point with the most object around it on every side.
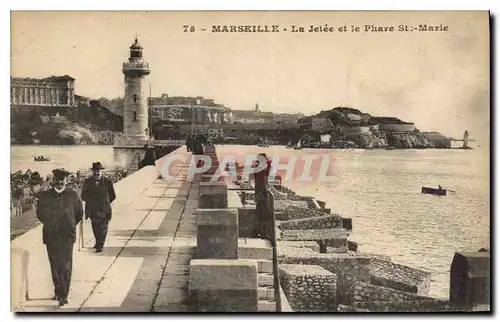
(364, 292)
(223, 285)
(470, 279)
(217, 233)
(320, 222)
(213, 195)
(433, 305)
(19, 277)
(292, 210)
(399, 277)
(349, 268)
(246, 221)
(315, 234)
(349, 308)
(352, 246)
(309, 288)
(347, 223)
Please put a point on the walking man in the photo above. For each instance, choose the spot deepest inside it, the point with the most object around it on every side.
(98, 193)
(60, 210)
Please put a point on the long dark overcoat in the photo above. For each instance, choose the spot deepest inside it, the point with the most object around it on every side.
(98, 196)
(59, 214)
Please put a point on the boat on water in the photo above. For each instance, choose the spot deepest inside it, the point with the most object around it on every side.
(434, 191)
(298, 146)
(41, 159)
(289, 145)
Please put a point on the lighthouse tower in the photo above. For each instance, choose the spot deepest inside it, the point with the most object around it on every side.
(135, 111)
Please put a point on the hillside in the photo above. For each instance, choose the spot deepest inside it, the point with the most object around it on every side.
(84, 124)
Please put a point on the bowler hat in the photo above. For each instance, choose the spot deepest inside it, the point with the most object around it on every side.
(97, 166)
(60, 173)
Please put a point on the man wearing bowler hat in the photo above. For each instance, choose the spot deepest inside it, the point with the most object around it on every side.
(98, 193)
(60, 210)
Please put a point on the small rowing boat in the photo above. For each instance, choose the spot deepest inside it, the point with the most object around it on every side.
(433, 191)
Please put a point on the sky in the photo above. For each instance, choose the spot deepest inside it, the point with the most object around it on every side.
(439, 80)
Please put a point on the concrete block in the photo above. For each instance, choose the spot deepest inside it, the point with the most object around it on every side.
(223, 285)
(255, 248)
(212, 195)
(364, 292)
(246, 221)
(416, 306)
(349, 268)
(19, 277)
(309, 288)
(315, 234)
(399, 277)
(347, 223)
(319, 222)
(217, 234)
(470, 279)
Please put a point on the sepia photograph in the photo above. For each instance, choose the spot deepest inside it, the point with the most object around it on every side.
(250, 161)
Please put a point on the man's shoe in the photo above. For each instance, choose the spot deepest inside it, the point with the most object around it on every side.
(63, 302)
(98, 250)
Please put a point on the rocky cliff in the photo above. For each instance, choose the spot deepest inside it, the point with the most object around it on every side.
(407, 140)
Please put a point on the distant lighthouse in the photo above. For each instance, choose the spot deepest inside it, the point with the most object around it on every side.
(135, 111)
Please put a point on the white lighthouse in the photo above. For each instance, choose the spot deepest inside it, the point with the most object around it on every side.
(135, 111)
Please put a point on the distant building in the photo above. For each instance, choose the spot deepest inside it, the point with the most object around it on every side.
(197, 110)
(322, 124)
(48, 91)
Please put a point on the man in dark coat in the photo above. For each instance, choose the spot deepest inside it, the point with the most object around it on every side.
(60, 210)
(98, 193)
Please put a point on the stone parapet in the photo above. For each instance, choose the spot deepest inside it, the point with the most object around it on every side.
(217, 233)
(18, 277)
(213, 195)
(223, 285)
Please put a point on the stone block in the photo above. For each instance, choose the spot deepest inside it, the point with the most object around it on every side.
(315, 234)
(415, 306)
(217, 234)
(309, 288)
(295, 210)
(349, 268)
(470, 279)
(319, 222)
(246, 221)
(364, 292)
(347, 223)
(212, 195)
(223, 285)
(399, 277)
(18, 277)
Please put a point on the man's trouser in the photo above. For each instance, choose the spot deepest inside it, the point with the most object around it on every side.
(61, 265)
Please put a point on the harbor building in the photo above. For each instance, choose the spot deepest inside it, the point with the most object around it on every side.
(49, 91)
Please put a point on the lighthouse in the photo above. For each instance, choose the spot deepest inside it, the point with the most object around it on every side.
(135, 110)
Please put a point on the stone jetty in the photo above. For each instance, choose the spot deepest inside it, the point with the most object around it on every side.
(188, 246)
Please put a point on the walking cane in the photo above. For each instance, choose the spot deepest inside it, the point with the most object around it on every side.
(80, 242)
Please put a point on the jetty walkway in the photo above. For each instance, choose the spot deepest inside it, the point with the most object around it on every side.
(143, 267)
